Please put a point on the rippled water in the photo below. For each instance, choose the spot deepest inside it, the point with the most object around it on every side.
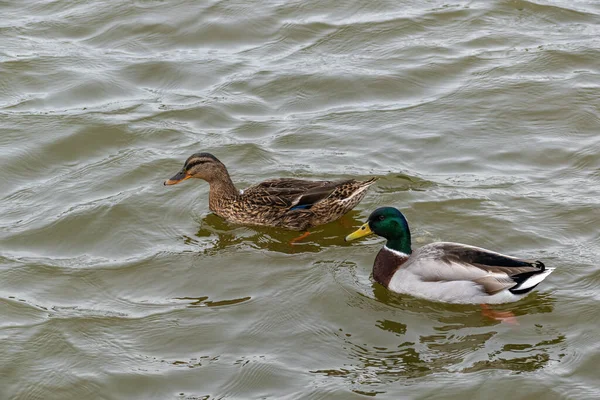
(481, 118)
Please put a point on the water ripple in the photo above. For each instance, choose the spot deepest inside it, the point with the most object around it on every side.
(479, 118)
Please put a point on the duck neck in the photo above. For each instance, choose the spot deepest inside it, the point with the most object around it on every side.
(221, 189)
(401, 244)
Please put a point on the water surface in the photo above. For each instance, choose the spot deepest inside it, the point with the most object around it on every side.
(481, 118)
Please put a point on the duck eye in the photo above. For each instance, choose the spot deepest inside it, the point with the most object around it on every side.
(381, 217)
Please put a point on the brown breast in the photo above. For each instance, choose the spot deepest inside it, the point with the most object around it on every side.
(386, 264)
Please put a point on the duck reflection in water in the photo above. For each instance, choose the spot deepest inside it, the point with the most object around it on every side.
(423, 338)
(216, 234)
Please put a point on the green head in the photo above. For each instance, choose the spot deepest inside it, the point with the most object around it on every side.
(390, 223)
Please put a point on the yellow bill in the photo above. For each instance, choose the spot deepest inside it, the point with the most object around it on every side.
(360, 232)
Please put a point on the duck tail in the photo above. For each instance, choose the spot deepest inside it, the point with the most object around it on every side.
(363, 185)
(529, 282)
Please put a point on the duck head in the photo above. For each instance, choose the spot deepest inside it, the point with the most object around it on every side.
(387, 222)
(202, 166)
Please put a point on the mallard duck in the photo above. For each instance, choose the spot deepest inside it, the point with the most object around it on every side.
(444, 271)
(289, 203)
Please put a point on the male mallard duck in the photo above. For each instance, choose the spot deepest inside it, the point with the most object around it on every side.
(289, 203)
(443, 271)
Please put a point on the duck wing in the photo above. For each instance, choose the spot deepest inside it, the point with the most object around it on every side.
(290, 193)
(289, 183)
(493, 271)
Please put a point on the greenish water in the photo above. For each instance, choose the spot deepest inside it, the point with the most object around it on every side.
(481, 118)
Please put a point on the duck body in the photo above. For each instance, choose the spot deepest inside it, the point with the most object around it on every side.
(457, 273)
(293, 204)
(289, 203)
(445, 271)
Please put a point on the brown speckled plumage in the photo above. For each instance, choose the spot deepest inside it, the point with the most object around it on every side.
(289, 203)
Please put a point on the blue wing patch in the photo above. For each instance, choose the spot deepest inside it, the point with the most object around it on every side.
(302, 207)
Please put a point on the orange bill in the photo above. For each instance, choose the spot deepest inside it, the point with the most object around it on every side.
(180, 176)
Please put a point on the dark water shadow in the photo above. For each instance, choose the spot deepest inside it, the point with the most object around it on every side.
(216, 234)
(203, 301)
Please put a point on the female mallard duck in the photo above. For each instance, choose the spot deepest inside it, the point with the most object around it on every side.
(289, 203)
(443, 271)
